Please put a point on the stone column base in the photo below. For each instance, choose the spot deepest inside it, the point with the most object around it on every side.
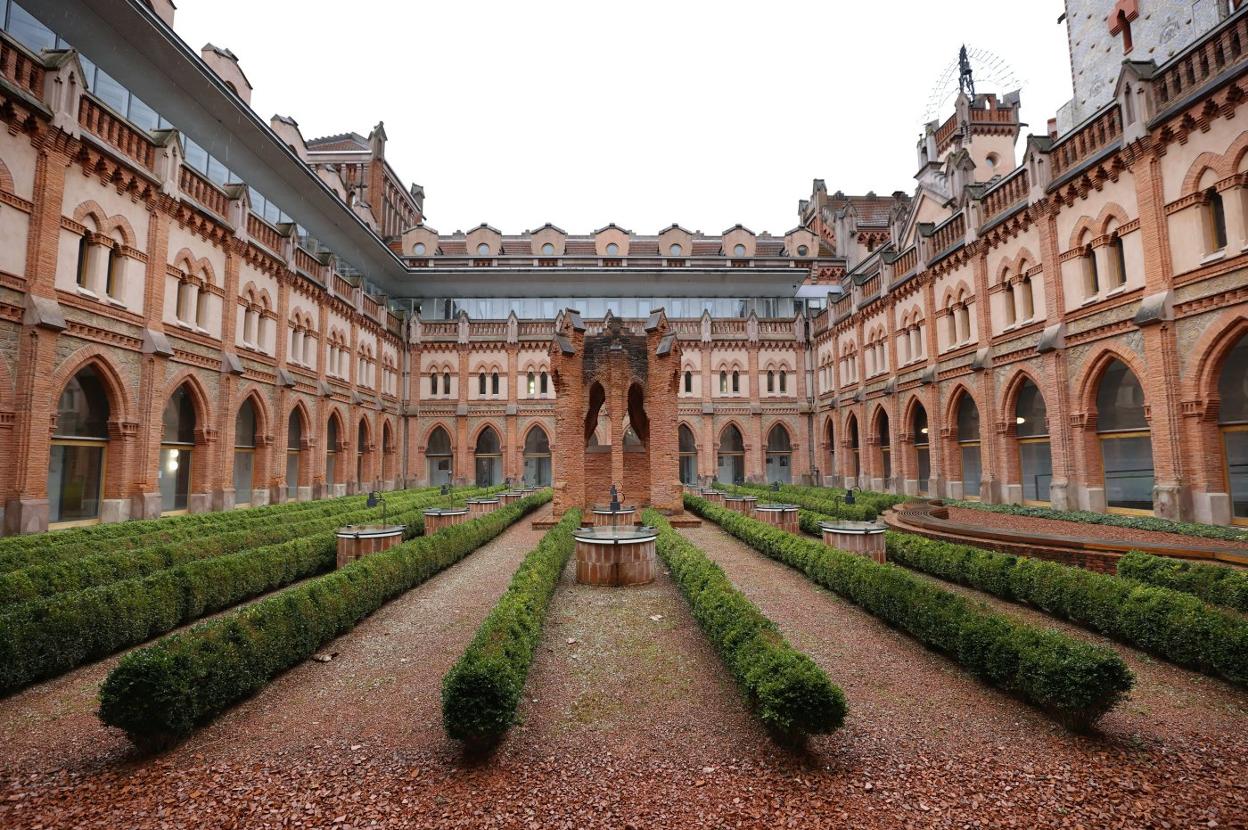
(202, 502)
(259, 498)
(338, 490)
(877, 484)
(953, 490)
(25, 516)
(1012, 493)
(1093, 499)
(303, 493)
(1059, 496)
(910, 487)
(145, 506)
(114, 510)
(222, 499)
(1170, 501)
(1212, 508)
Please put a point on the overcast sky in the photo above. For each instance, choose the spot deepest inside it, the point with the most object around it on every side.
(641, 113)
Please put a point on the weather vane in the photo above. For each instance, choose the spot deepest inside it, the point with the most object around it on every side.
(966, 81)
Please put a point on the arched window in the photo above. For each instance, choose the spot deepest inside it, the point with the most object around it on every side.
(969, 448)
(1117, 262)
(1215, 221)
(1126, 445)
(829, 448)
(951, 324)
(784, 383)
(1011, 310)
(494, 383)
(79, 449)
(531, 384)
(779, 455)
(112, 281)
(177, 450)
(537, 458)
(244, 452)
(688, 450)
(438, 457)
(332, 440)
(922, 447)
(201, 307)
(723, 382)
(1026, 292)
(884, 439)
(489, 458)
(294, 453)
(481, 384)
(433, 383)
(771, 380)
(84, 261)
(1233, 423)
(1034, 450)
(855, 451)
(964, 323)
(545, 383)
(736, 381)
(731, 467)
(1091, 277)
(363, 456)
(446, 383)
(688, 382)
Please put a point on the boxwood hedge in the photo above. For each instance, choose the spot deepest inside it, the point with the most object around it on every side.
(787, 691)
(1154, 523)
(1173, 625)
(51, 578)
(1216, 584)
(162, 692)
(829, 501)
(1076, 681)
(482, 690)
(47, 637)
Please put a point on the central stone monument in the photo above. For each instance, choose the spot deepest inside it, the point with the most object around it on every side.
(615, 413)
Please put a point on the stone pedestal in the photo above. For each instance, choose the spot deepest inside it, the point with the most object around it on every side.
(439, 518)
(741, 504)
(606, 517)
(864, 538)
(615, 556)
(783, 516)
(355, 541)
(479, 507)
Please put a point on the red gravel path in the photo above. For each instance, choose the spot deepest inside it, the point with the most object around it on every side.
(1082, 530)
(642, 728)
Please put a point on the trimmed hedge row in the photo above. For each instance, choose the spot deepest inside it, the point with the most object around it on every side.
(788, 692)
(866, 506)
(1076, 681)
(1216, 584)
(1114, 519)
(165, 690)
(48, 637)
(1172, 625)
(481, 691)
(51, 578)
(62, 545)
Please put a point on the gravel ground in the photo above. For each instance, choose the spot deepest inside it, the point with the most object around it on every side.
(633, 724)
(1081, 530)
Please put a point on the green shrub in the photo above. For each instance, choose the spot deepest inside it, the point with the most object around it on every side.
(1076, 681)
(828, 501)
(51, 578)
(1173, 625)
(165, 690)
(788, 692)
(482, 690)
(1216, 584)
(47, 637)
(1112, 519)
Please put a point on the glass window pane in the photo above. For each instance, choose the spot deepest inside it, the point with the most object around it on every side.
(1037, 467)
(1029, 412)
(1237, 471)
(244, 462)
(141, 115)
(175, 478)
(28, 31)
(1128, 465)
(972, 472)
(82, 411)
(292, 475)
(217, 172)
(1233, 385)
(196, 156)
(110, 92)
(1120, 400)
(75, 475)
(968, 419)
(925, 469)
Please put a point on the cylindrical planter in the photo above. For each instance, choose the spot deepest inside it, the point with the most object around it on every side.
(355, 541)
(741, 504)
(715, 497)
(615, 556)
(510, 497)
(626, 516)
(479, 507)
(439, 518)
(865, 538)
(783, 516)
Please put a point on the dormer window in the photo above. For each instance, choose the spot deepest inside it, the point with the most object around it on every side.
(738, 250)
(612, 249)
(483, 249)
(802, 250)
(548, 249)
(419, 250)
(675, 250)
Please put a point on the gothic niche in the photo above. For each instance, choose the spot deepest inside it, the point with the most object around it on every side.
(617, 391)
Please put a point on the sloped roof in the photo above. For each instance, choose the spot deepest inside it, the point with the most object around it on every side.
(341, 141)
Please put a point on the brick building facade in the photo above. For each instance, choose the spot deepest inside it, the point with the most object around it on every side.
(1071, 329)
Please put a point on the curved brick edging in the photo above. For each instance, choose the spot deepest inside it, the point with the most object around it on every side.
(931, 520)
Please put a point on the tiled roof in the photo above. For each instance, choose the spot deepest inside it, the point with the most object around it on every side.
(341, 141)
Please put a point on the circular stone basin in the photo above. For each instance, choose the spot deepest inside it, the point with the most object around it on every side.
(604, 516)
(866, 538)
(479, 507)
(437, 518)
(714, 496)
(355, 541)
(615, 556)
(510, 497)
(741, 504)
(783, 516)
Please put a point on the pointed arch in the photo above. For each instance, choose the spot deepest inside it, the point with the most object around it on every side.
(97, 357)
(1094, 368)
(199, 395)
(438, 448)
(186, 261)
(1211, 350)
(6, 179)
(434, 427)
(255, 393)
(1009, 392)
(537, 455)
